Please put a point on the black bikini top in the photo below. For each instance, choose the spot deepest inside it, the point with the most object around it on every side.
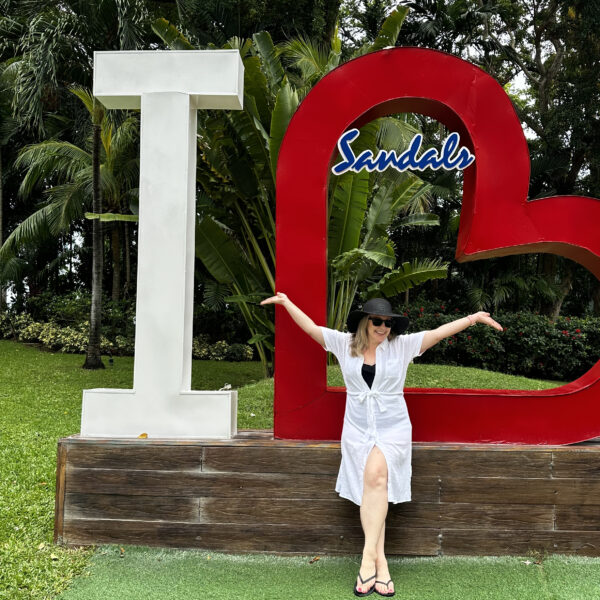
(368, 373)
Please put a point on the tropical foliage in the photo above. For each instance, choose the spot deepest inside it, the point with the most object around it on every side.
(46, 50)
(238, 161)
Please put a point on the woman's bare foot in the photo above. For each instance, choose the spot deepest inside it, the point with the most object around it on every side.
(383, 574)
(367, 568)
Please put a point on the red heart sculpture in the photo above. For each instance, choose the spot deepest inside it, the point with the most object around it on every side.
(497, 219)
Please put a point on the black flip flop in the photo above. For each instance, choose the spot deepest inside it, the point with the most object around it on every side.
(389, 594)
(363, 581)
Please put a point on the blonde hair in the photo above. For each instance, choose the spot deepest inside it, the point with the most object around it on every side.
(359, 343)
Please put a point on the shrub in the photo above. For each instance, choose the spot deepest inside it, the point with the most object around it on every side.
(221, 350)
(239, 352)
(74, 339)
(218, 351)
(531, 345)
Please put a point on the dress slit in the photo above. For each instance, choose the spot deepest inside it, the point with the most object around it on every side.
(387, 465)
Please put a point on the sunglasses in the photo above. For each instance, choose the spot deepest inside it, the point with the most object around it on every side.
(377, 322)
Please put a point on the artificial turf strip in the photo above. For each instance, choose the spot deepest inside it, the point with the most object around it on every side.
(159, 574)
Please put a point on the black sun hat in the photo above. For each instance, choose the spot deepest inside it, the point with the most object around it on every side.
(377, 306)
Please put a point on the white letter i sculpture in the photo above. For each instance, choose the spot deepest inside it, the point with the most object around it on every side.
(169, 87)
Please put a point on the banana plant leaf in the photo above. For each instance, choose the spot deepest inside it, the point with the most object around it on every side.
(105, 217)
(170, 35)
(407, 276)
(286, 104)
(388, 34)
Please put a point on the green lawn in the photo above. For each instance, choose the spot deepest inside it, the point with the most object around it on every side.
(157, 574)
(40, 401)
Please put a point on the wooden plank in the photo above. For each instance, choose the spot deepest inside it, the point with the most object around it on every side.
(247, 538)
(519, 542)
(59, 498)
(325, 461)
(425, 489)
(273, 511)
(260, 440)
(576, 464)
(147, 508)
(577, 491)
(496, 516)
(460, 462)
(498, 490)
(577, 518)
(197, 484)
(336, 512)
(414, 515)
(117, 455)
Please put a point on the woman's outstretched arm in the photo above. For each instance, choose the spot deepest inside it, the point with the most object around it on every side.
(443, 331)
(303, 321)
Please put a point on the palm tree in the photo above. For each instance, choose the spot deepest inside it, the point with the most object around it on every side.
(52, 43)
(106, 178)
(8, 128)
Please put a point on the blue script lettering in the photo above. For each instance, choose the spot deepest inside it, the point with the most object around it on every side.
(451, 156)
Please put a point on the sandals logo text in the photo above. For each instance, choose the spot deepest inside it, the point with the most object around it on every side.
(408, 160)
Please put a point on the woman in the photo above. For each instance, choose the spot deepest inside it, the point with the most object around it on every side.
(377, 434)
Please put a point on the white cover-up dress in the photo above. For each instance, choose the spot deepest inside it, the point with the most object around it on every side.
(375, 416)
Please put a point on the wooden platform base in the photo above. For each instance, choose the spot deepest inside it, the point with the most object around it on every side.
(257, 494)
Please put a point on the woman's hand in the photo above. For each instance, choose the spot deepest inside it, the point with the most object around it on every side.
(303, 321)
(484, 317)
(280, 298)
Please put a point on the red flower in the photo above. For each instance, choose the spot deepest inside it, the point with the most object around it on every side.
(405, 314)
(578, 331)
(468, 337)
(443, 307)
(449, 341)
(421, 309)
(565, 332)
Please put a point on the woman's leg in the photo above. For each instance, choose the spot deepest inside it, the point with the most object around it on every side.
(373, 511)
(383, 573)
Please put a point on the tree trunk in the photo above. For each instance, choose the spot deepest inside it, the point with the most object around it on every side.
(549, 267)
(93, 359)
(2, 291)
(127, 250)
(116, 260)
(565, 287)
(596, 299)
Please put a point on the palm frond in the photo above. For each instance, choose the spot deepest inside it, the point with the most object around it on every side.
(92, 104)
(31, 230)
(478, 298)
(215, 294)
(311, 59)
(45, 160)
(348, 263)
(12, 269)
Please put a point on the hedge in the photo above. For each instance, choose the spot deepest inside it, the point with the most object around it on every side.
(74, 339)
(531, 345)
